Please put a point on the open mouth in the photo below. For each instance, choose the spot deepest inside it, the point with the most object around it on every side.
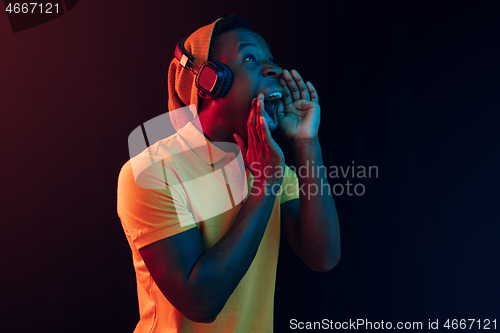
(271, 102)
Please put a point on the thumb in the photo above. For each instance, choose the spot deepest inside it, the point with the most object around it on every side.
(241, 143)
(266, 134)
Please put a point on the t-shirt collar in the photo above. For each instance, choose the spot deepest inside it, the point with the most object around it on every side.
(200, 145)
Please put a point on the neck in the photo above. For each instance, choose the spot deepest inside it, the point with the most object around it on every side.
(213, 128)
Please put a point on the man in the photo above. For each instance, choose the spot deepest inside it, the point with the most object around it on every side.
(201, 267)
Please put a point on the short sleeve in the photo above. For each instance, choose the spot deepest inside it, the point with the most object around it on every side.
(151, 214)
(290, 186)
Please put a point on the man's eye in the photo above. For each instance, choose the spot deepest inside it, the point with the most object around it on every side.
(249, 58)
(272, 61)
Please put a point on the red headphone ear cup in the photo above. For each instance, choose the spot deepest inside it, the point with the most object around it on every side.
(206, 80)
(213, 80)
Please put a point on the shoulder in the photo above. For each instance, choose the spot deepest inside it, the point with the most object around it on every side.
(148, 168)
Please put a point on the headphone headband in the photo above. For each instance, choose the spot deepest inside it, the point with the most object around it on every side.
(183, 56)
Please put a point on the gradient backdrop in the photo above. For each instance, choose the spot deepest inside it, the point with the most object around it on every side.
(409, 86)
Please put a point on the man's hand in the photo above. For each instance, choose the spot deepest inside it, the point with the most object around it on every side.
(262, 152)
(299, 111)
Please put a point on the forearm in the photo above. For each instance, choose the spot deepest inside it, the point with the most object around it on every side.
(319, 232)
(217, 273)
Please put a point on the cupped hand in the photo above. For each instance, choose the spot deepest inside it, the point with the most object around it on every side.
(261, 153)
(299, 110)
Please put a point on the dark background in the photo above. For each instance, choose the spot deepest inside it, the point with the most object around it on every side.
(409, 86)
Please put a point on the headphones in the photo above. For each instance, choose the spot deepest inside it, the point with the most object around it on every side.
(213, 78)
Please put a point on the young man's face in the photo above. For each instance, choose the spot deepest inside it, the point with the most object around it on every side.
(254, 71)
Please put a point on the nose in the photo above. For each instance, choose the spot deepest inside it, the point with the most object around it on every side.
(271, 70)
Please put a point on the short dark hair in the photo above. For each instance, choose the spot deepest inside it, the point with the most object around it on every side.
(229, 22)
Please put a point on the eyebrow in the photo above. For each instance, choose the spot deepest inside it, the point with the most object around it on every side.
(243, 45)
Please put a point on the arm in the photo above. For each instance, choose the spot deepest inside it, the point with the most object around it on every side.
(310, 224)
(199, 283)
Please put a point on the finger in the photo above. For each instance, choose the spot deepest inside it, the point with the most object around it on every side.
(254, 117)
(262, 128)
(287, 97)
(312, 92)
(241, 144)
(291, 84)
(259, 115)
(280, 112)
(303, 90)
(251, 126)
(266, 134)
